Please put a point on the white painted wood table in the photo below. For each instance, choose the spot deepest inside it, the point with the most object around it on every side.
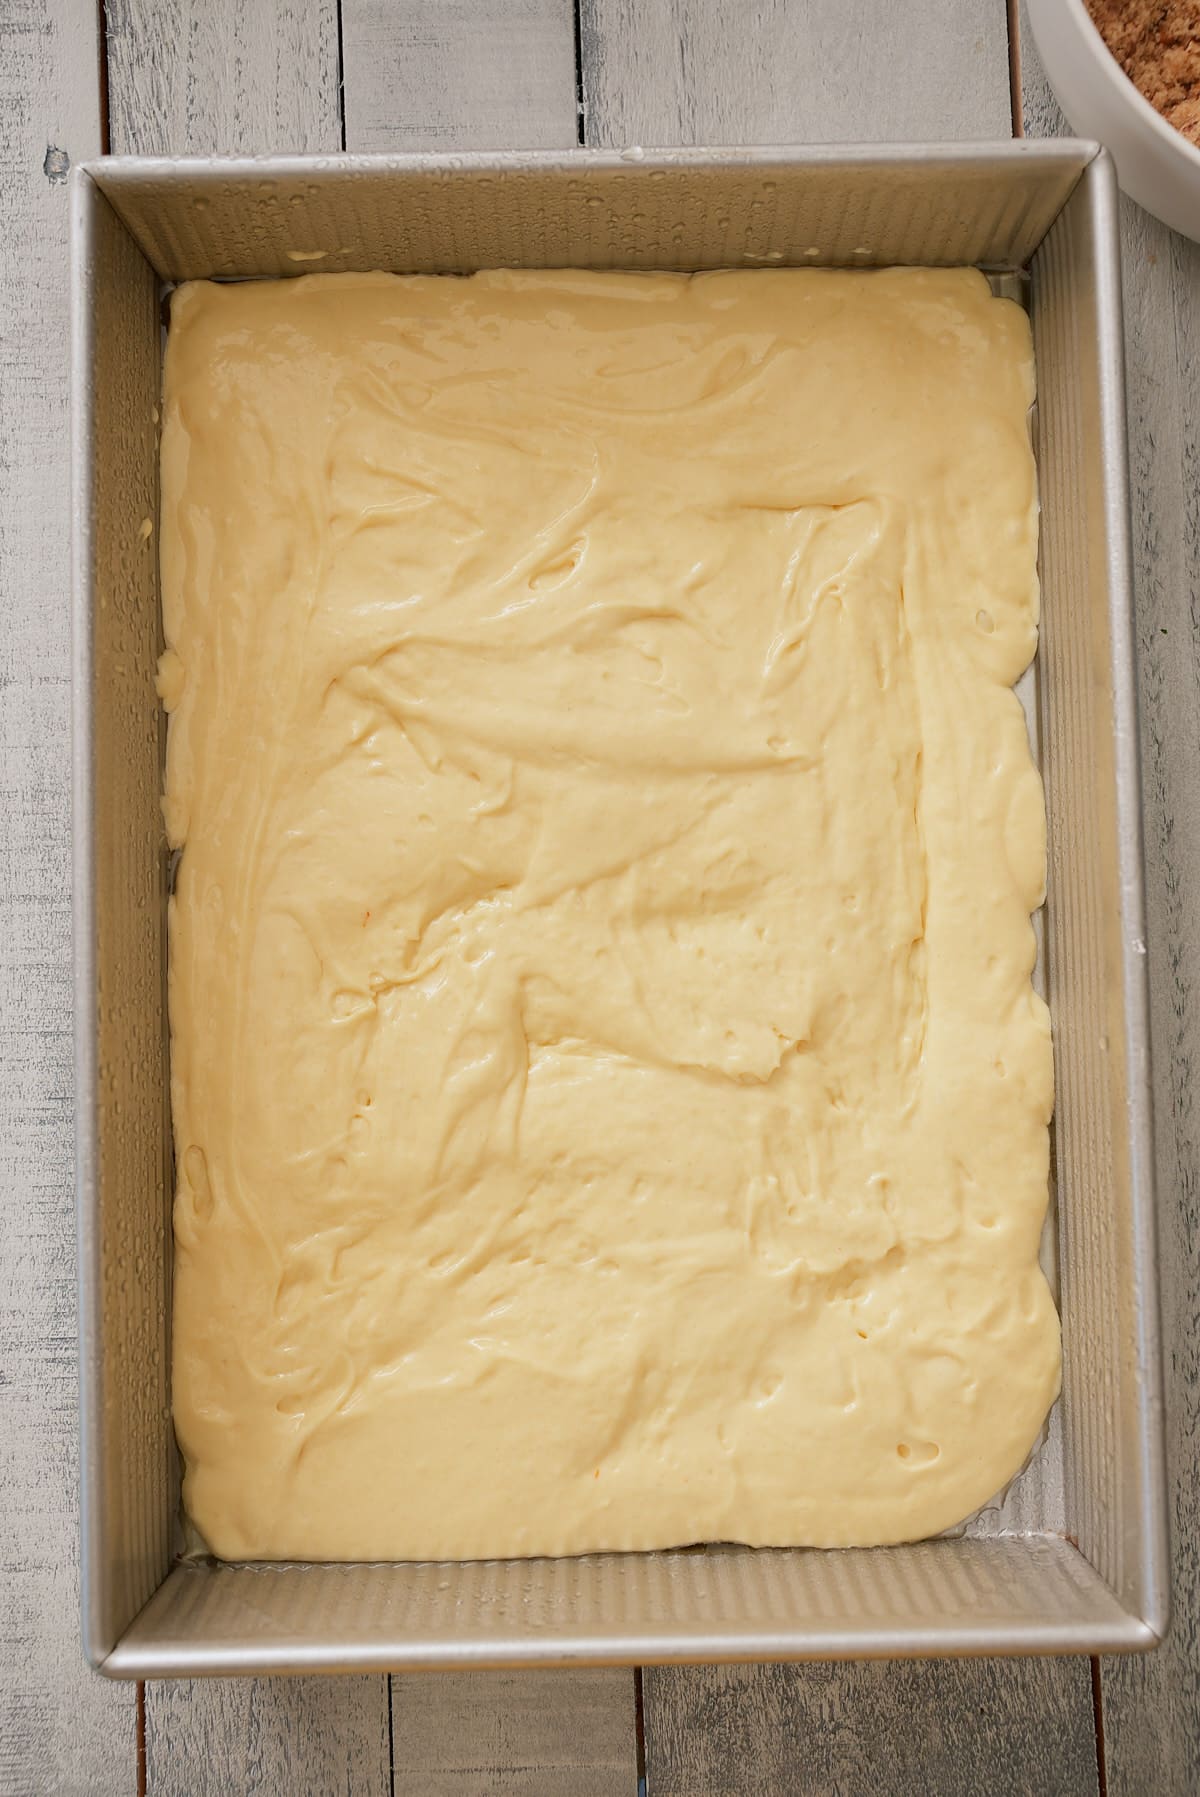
(256, 75)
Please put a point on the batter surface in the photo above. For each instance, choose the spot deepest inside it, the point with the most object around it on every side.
(610, 1101)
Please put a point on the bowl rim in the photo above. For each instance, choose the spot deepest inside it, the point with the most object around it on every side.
(1167, 134)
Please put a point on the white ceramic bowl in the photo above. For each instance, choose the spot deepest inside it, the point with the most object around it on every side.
(1156, 165)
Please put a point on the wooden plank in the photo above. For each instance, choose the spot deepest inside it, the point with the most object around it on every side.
(430, 74)
(267, 1738)
(659, 72)
(220, 76)
(683, 71)
(1151, 1705)
(943, 1727)
(536, 1734)
(215, 77)
(49, 117)
(460, 74)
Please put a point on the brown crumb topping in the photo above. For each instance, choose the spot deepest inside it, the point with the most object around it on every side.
(1157, 43)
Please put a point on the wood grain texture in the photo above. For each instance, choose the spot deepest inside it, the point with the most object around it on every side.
(192, 76)
(514, 1734)
(1151, 1705)
(61, 1728)
(459, 74)
(218, 77)
(658, 72)
(1041, 115)
(302, 1737)
(679, 71)
(49, 117)
(949, 1728)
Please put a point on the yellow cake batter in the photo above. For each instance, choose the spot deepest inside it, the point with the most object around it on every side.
(610, 1101)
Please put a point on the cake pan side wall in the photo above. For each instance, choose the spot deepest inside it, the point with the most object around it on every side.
(128, 1486)
(1095, 914)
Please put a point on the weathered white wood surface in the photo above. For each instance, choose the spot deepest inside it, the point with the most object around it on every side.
(986, 1728)
(515, 1734)
(277, 1737)
(658, 72)
(459, 74)
(49, 116)
(764, 73)
(217, 77)
(1151, 1705)
(224, 76)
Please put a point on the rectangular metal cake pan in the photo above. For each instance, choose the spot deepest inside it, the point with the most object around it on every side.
(1074, 1558)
